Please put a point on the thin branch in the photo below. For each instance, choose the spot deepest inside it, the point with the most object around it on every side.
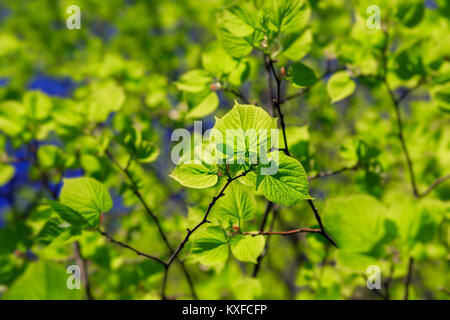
(261, 229)
(434, 185)
(306, 90)
(333, 173)
(81, 262)
(396, 103)
(283, 233)
(136, 191)
(124, 245)
(276, 104)
(319, 221)
(191, 231)
(237, 93)
(408, 277)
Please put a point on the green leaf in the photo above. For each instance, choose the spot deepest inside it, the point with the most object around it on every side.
(289, 15)
(247, 289)
(238, 47)
(106, 97)
(416, 221)
(7, 172)
(411, 12)
(86, 196)
(217, 61)
(441, 95)
(246, 116)
(140, 148)
(210, 246)
(340, 86)
(288, 186)
(51, 230)
(249, 126)
(238, 25)
(238, 205)
(247, 248)
(196, 176)
(200, 105)
(68, 214)
(38, 105)
(194, 81)
(12, 117)
(42, 280)
(301, 75)
(239, 74)
(408, 63)
(297, 46)
(356, 223)
(50, 156)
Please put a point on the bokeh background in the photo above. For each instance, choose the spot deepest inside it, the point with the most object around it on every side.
(134, 51)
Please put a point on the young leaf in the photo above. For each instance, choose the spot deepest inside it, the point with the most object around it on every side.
(289, 15)
(6, 173)
(194, 81)
(301, 75)
(411, 12)
(238, 205)
(42, 280)
(68, 214)
(297, 46)
(247, 248)
(201, 104)
(236, 25)
(51, 230)
(245, 116)
(217, 61)
(340, 86)
(194, 175)
(104, 99)
(288, 186)
(86, 196)
(356, 223)
(210, 246)
(238, 47)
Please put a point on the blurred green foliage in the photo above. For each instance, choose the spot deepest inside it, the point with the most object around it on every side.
(140, 69)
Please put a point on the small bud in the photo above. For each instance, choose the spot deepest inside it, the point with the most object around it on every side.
(235, 228)
(283, 72)
(215, 86)
(19, 253)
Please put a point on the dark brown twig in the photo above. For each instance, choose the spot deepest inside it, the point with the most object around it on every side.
(408, 277)
(191, 231)
(333, 173)
(283, 233)
(138, 194)
(81, 262)
(237, 93)
(261, 229)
